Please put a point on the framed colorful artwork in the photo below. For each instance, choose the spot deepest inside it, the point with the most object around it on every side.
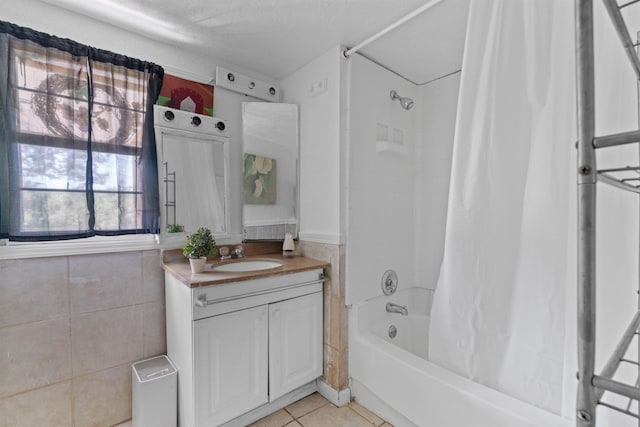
(259, 180)
(186, 95)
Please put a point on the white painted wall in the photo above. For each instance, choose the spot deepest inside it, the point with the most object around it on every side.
(381, 185)
(438, 103)
(62, 23)
(320, 130)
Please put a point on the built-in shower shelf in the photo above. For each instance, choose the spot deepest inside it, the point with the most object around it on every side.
(391, 147)
(390, 140)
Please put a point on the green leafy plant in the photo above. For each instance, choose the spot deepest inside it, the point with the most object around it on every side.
(175, 228)
(200, 244)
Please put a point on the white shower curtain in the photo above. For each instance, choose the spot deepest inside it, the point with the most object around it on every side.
(499, 309)
(504, 310)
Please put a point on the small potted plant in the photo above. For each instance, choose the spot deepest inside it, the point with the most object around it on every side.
(175, 228)
(199, 246)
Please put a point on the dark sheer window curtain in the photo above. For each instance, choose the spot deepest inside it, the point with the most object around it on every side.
(77, 146)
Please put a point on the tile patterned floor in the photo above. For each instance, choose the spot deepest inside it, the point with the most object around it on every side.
(316, 411)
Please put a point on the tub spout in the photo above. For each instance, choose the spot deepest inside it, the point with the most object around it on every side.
(395, 308)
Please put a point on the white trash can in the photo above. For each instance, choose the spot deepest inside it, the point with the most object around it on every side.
(154, 393)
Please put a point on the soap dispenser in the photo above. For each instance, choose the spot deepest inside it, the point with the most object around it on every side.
(288, 246)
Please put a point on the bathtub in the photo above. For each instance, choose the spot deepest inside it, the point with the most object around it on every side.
(393, 377)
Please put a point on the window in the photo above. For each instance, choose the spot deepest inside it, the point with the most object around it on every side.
(77, 144)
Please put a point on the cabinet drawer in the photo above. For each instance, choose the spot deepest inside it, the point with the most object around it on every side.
(225, 298)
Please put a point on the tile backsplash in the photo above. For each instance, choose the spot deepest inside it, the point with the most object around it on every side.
(336, 370)
(269, 232)
(70, 328)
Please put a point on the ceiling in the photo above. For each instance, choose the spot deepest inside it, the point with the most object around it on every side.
(276, 37)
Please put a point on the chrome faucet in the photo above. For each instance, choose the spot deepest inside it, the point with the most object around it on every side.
(395, 308)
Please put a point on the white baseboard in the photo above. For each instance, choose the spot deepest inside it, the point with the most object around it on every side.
(338, 398)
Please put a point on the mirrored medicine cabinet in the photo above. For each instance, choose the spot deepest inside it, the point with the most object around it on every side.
(194, 172)
(270, 172)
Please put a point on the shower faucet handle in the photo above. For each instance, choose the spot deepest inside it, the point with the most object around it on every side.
(389, 282)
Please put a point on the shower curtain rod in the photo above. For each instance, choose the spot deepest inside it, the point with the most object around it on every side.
(376, 36)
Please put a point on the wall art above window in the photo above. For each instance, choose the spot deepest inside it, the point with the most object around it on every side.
(186, 95)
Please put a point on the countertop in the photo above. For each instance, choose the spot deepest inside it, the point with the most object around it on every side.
(179, 267)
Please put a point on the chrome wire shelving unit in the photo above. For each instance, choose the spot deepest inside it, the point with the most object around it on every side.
(592, 386)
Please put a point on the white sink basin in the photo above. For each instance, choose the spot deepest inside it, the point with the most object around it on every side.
(248, 265)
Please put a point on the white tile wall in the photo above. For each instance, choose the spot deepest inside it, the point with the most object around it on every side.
(152, 274)
(33, 355)
(153, 329)
(41, 290)
(47, 406)
(70, 328)
(101, 281)
(106, 338)
(103, 398)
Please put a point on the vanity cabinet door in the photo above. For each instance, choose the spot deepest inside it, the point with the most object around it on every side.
(295, 343)
(231, 368)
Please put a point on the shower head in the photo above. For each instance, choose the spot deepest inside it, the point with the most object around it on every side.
(405, 102)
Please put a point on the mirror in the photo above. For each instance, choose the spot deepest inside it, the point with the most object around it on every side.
(270, 170)
(193, 159)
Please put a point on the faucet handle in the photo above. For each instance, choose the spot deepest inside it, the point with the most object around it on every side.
(224, 253)
(239, 251)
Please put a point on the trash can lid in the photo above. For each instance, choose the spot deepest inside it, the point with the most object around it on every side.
(154, 368)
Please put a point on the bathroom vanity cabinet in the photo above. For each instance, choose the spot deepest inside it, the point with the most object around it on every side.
(242, 345)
